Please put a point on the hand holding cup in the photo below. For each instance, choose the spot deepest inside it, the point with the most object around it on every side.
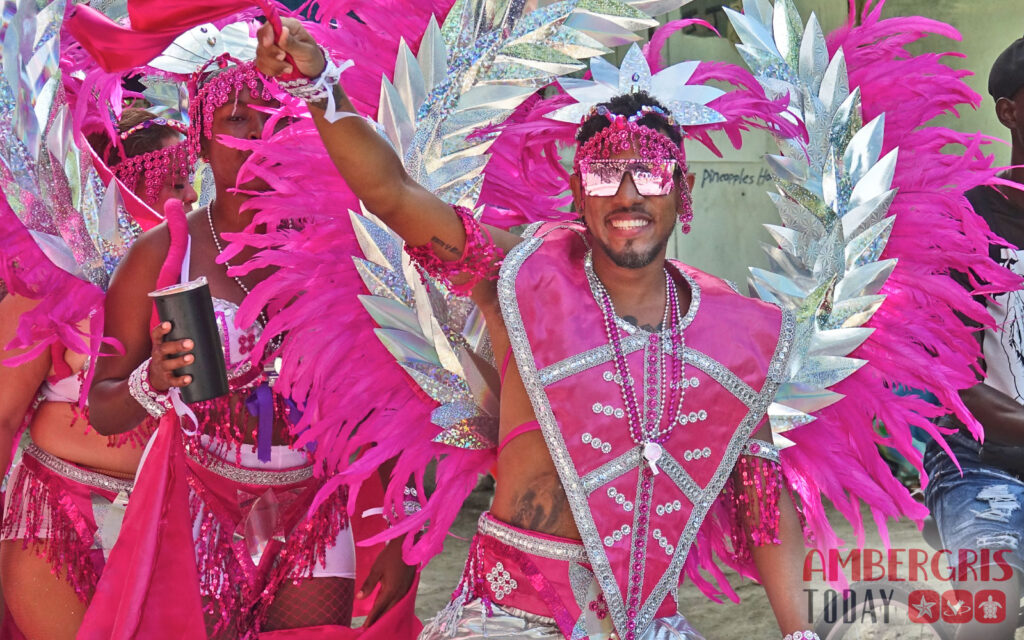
(188, 331)
(167, 356)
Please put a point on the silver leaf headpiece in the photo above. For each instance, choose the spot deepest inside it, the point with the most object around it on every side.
(687, 103)
(194, 49)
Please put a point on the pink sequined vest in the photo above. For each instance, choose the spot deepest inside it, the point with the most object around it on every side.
(637, 526)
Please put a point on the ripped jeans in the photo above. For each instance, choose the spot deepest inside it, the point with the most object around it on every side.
(980, 509)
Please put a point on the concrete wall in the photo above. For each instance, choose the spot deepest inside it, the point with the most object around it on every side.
(729, 195)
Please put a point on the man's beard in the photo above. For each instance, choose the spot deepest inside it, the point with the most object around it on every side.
(630, 258)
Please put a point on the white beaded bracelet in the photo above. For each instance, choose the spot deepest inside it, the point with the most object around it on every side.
(155, 404)
(802, 635)
(320, 87)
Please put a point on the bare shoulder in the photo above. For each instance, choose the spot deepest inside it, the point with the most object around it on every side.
(142, 263)
(506, 240)
(763, 432)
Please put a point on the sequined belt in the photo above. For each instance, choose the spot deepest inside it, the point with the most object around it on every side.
(539, 574)
(77, 474)
(531, 542)
(248, 475)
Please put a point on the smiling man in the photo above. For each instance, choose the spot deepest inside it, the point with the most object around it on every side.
(619, 439)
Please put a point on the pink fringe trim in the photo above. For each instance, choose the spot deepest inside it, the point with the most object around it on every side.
(227, 420)
(752, 495)
(68, 545)
(479, 261)
(229, 596)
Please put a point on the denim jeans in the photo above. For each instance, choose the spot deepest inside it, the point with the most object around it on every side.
(980, 509)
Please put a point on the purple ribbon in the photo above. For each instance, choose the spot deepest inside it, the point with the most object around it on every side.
(260, 404)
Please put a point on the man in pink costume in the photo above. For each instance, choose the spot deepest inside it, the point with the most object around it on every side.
(634, 389)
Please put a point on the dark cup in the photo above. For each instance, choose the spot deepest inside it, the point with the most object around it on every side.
(189, 309)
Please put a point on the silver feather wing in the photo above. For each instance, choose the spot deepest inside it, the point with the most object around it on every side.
(472, 71)
(477, 68)
(439, 340)
(833, 198)
(48, 179)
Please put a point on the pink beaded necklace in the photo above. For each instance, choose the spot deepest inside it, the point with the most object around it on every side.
(645, 418)
(645, 421)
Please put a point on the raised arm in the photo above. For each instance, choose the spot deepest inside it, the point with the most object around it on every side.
(366, 161)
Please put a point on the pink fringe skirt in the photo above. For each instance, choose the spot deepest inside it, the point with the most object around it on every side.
(69, 515)
(253, 531)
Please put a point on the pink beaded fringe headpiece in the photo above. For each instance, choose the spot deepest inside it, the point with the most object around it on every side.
(210, 90)
(156, 166)
(625, 133)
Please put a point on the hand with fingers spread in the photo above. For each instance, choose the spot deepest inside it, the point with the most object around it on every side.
(168, 356)
(294, 41)
(394, 576)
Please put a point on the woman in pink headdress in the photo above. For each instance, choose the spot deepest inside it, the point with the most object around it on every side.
(61, 514)
(241, 548)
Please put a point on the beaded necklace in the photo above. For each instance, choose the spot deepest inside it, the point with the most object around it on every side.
(275, 344)
(645, 418)
(645, 427)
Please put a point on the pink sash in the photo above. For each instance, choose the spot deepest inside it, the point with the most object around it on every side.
(154, 559)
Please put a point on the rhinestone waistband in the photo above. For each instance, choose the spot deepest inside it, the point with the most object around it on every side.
(529, 542)
(247, 475)
(75, 473)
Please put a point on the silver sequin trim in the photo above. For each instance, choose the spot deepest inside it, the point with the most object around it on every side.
(77, 474)
(580, 580)
(680, 477)
(611, 470)
(777, 369)
(722, 376)
(600, 355)
(534, 545)
(530, 230)
(583, 361)
(254, 476)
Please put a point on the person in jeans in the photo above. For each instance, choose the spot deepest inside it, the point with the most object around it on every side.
(979, 511)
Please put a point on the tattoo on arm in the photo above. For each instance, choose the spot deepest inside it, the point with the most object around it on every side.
(646, 327)
(441, 244)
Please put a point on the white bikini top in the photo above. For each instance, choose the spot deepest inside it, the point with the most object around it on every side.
(67, 389)
(238, 343)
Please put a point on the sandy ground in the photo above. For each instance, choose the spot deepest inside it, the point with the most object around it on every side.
(751, 619)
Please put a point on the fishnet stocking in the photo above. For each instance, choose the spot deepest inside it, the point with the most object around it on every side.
(317, 601)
